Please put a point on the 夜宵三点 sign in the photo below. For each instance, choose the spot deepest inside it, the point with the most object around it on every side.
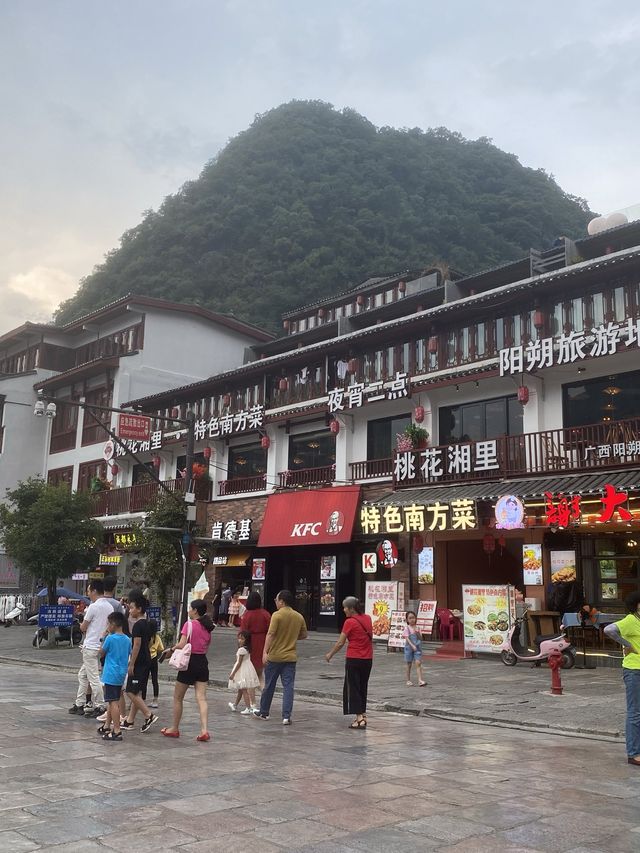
(561, 510)
(434, 462)
(134, 426)
(358, 394)
(229, 424)
(416, 518)
(567, 349)
(235, 531)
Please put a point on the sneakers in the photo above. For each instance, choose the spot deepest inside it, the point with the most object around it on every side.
(232, 706)
(247, 712)
(149, 722)
(260, 716)
(93, 713)
(102, 717)
(77, 709)
(153, 704)
(286, 721)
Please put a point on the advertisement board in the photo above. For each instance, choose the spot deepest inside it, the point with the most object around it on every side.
(327, 598)
(488, 612)
(563, 566)
(258, 569)
(532, 565)
(426, 614)
(153, 612)
(396, 629)
(425, 566)
(55, 616)
(381, 598)
(328, 568)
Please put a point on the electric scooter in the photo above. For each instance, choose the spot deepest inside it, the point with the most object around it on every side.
(13, 615)
(513, 650)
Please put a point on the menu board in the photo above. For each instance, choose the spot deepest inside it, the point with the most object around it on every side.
(488, 614)
(381, 598)
(328, 598)
(426, 615)
(563, 566)
(532, 565)
(425, 565)
(396, 630)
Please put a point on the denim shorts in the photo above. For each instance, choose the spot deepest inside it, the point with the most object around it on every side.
(112, 692)
(410, 656)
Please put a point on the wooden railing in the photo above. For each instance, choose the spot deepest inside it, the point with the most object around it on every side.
(371, 469)
(140, 497)
(240, 485)
(308, 477)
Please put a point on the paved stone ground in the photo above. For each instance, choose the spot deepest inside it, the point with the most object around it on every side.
(480, 690)
(407, 783)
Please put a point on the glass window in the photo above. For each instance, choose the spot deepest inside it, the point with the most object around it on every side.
(496, 418)
(479, 421)
(473, 426)
(616, 568)
(143, 473)
(312, 450)
(608, 398)
(480, 340)
(381, 435)
(249, 460)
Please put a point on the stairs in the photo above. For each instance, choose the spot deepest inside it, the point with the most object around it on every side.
(446, 650)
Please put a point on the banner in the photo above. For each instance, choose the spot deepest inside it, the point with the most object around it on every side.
(488, 614)
(327, 598)
(396, 629)
(425, 566)
(381, 598)
(426, 614)
(532, 565)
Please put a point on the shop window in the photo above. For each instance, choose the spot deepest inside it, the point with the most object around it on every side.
(181, 463)
(142, 474)
(479, 421)
(608, 398)
(615, 564)
(58, 476)
(381, 436)
(64, 428)
(88, 472)
(312, 450)
(93, 432)
(248, 460)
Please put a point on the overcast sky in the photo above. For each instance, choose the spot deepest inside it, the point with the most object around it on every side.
(109, 106)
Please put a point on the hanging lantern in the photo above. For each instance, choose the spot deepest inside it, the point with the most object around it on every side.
(488, 544)
(523, 395)
(418, 543)
(432, 346)
(539, 319)
(265, 442)
(156, 462)
(226, 401)
(502, 542)
(352, 365)
(360, 299)
(418, 414)
(334, 426)
(283, 384)
(207, 453)
(114, 468)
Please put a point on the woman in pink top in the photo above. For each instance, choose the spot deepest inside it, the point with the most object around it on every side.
(196, 631)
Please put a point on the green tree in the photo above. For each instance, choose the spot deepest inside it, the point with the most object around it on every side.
(49, 532)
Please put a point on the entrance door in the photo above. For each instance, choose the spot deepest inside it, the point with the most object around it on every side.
(306, 590)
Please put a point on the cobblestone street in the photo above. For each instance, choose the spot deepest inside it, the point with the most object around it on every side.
(407, 783)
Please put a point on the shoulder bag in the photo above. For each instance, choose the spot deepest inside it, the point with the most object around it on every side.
(180, 658)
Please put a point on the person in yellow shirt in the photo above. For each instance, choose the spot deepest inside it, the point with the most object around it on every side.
(287, 626)
(627, 633)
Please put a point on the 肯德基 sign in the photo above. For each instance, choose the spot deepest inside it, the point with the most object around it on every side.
(232, 531)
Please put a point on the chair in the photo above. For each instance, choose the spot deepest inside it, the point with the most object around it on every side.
(448, 625)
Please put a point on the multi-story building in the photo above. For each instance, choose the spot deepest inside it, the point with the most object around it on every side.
(135, 346)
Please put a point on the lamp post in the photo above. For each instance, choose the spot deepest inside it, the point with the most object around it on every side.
(48, 411)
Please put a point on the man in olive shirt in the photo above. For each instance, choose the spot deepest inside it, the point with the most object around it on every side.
(279, 657)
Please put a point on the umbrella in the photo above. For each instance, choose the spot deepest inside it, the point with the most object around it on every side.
(62, 591)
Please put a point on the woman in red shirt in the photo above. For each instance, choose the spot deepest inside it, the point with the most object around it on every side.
(358, 632)
(255, 620)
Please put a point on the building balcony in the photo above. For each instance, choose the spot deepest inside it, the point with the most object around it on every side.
(140, 497)
(372, 469)
(242, 485)
(307, 477)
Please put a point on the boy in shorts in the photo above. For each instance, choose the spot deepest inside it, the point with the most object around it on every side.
(115, 652)
(139, 662)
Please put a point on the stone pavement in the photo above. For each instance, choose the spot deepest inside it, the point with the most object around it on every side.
(480, 690)
(406, 783)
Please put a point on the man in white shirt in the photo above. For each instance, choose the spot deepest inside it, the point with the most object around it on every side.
(93, 626)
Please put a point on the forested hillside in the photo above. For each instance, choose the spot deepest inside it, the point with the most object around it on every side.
(310, 201)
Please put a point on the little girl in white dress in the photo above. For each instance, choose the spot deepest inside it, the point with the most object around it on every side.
(243, 677)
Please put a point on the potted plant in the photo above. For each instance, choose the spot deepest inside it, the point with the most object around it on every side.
(417, 435)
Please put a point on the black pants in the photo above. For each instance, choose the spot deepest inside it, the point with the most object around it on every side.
(356, 685)
(153, 672)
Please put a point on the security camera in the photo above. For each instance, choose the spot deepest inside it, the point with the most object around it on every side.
(39, 408)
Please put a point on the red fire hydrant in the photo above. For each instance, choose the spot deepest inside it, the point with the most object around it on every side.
(555, 662)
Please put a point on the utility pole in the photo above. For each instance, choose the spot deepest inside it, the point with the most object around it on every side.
(185, 542)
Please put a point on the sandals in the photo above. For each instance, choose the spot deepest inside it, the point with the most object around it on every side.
(205, 737)
(167, 733)
(112, 736)
(409, 683)
(358, 724)
(103, 730)
(422, 684)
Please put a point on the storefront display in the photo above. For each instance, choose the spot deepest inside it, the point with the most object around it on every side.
(327, 598)
(381, 598)
(488, 615)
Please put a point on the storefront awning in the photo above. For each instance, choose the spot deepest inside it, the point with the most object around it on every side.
(229, 557)
(530, 488)
(314, 517)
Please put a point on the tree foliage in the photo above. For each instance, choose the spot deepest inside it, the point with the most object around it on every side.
(48, 531)
(311, 200)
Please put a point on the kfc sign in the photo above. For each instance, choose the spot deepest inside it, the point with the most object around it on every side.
(314, 517)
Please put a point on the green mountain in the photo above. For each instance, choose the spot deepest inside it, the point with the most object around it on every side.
(310, 201)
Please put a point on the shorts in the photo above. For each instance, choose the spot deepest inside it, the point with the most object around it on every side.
(137, 682)
(198, 670)
(112, 692)
(410, 656)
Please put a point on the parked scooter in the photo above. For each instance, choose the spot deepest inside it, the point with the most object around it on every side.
(13, 615)
(63, 635)
(513, 650)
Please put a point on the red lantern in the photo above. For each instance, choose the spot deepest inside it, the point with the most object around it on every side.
(283, 384)
(502, 542)
(352, 365)
(488, 543)
(265, 442)
(226, 401)
(402, 286)
(156, 462)
(114, 468)
(207, 453)
(418, 414)
(539, 319)
(432, 346)
(418, 543)
(334, 426)
(523, 395)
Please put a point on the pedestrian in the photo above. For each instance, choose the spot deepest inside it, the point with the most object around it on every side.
(109, 590)
(196, 631)
(413, 648)
(93, 626)
(225, 598)
(156, 647)
(115, 656)
(280, 655)
(255, 620)
(139, 662)
(243, 677)
(627, 633)
(357, 631)
(234, 610)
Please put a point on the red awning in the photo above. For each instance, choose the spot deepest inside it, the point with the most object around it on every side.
(315, 517)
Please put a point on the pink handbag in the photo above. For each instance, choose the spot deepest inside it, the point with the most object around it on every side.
(180, 658)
